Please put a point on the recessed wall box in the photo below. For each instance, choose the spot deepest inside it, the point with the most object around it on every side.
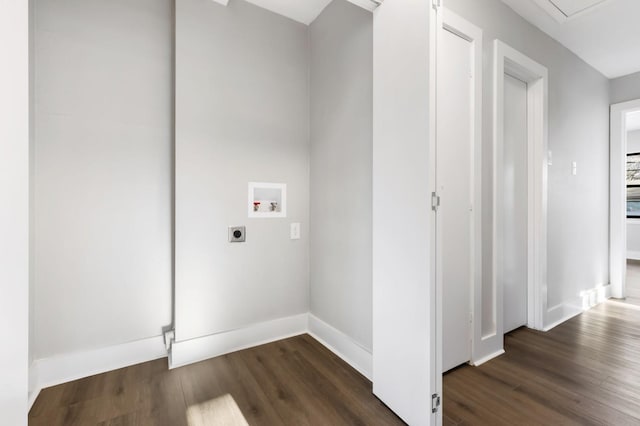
(267, 200)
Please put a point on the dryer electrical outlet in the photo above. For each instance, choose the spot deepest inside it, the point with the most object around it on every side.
(237, 234)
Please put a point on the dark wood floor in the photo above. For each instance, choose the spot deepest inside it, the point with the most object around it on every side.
(295, 381)
(583, 372)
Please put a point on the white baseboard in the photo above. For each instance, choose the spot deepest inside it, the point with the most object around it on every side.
(352, 352)
(53, 371)
(201, 348)
(34, 386)
(558, 314)
(631, 254)
(487, 358)
(68, 367)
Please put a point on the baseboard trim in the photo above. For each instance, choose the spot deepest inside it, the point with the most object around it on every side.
(487, 358)
(202, 348)
(588, 299)
(350, 351)
(34, 386)
(53, 371)
(68, 367)
(634, 255)
(559, 314)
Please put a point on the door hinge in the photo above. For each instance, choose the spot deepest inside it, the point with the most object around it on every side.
(435, 403)
(435, 201)
(436, 4)
(169, 338)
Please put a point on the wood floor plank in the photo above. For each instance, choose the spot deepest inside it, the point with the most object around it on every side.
(296, 381)
(585, 371)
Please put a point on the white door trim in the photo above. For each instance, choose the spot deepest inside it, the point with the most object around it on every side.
(618, 197)
(435, 272)
(473, 34)
(510, 61)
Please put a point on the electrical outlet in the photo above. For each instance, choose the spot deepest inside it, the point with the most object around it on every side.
(237, 234)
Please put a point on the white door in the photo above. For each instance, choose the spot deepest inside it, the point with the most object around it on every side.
(454, 158)
(515, 206)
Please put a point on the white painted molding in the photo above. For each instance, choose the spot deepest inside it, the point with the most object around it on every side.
(632, 254)
(559, 314)
(34, 386)
(65, 368)
(53, 371)
(587, 299)
(369, 5)
(201, 348)
(487, 358)
(352, 352)
(512, 62)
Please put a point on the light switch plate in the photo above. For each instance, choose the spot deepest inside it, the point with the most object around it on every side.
(295, 231)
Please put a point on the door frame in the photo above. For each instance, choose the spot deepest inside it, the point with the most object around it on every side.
(516, 64)
(618, 197)
(466, 30)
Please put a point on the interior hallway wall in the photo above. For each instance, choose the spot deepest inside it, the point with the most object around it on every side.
(578, 211)
(102, 167)
(341, 69)
(242, 115)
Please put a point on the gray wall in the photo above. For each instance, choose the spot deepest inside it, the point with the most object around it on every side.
(578, 131)
(625, 88)
(103, 146)
(341, 42)
(242, 115)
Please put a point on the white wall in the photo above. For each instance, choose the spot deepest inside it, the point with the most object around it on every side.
(578, 131)
(625, 88)
(341, 69)
(103, 183)
(242, 113)
(14, 210)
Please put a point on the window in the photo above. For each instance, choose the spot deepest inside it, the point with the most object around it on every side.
(633, 185)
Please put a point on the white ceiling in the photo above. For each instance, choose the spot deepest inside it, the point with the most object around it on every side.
(604, 33)
(633, 121)
(304, 11)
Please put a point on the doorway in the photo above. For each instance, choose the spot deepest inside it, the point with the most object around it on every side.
(514, 204)
(458, 183)
(625, 200)
(520, 194)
